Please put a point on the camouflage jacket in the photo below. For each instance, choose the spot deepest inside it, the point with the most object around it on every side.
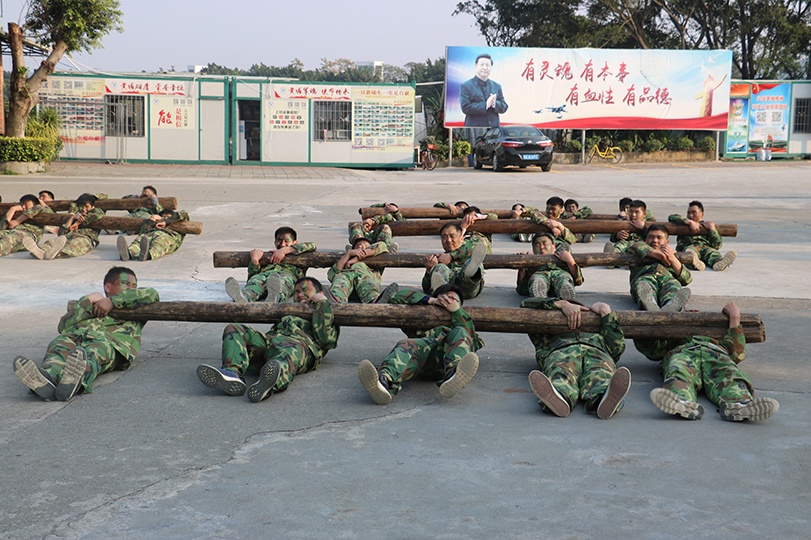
(84, 228)
(380, 219)
(319, 335)
(610, 339)
(361, 267)
(732, 345)
(522, 281)
(79, 321)
(539, 217)
(460, 317)
(581, 213)
(709, 239)
(645, 266)
(27, 226)
(150, 225)
(145, 211)
(297, 271)
(461, 254)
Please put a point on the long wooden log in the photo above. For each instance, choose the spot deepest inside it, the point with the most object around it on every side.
(509, 226)
(107, 204)
(635, 324)
(115, 223)
(325, 259)
(444, 213)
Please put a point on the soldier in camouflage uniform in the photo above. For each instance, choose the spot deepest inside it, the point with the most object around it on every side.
(705, 246)
(446, 353)
(14, 230)
(658, 278)
(294, 345)
(89, 342)
(620, 240)
(573, 211)
(155, 239)
(579, 365)
(151, 206)
(80, 238)
(700, 362)
(563, 237)
(375, 229)
(456, 208)
(471, 215)
(460, 264)
(274, 281)
(550, 280)
(351, 275)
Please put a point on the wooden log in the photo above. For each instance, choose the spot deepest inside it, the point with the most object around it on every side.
(510, 226)
(107, 204)
(325, 259)
(635, 324)
(115, 223)
(444, 213)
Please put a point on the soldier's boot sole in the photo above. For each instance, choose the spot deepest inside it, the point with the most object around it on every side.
(567, 291)
(698, 265)
(273, 284)
(476, 259)
(31, 376)
(754, 410)
(268, 377)
(370, 379)
(465, 371)
(144, 245)
(647, 297)
(617, 390)
(123, 249)
(216, 379)
(437, 281)
(384, 296)
(728, 258)
(678, 302)
(56, 248)
(72, 373)
(669, 402)
(538, 289)
(233, 290)
(546, 392)
(31, 246)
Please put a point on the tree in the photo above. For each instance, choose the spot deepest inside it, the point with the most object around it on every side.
(64, 25)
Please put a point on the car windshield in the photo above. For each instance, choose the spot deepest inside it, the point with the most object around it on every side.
(522, 131)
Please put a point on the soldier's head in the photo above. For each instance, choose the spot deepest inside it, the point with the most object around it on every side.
(656, 235)
(695, 211)
(149, 192)
(361, 243)
(543, 244)
(449, 288)
(471, 210)
(117, 279)
(450, 235)
(305, 288)
(46, 196)
(554, 207)
(28, 201)
(285, 236)
(637, 210)
(85, 202)
(461, 204)
(571, 206)
(625, 202)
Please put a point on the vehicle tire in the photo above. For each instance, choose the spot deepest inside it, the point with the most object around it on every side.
(546, 167)
(430, 162)
(590, 157)
(497, 166)
(476, 163)
(522, 166)
(617, 155)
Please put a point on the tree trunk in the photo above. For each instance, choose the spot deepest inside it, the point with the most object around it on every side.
(117, 223)
(635, 324)
(325, 259)
(106, 204)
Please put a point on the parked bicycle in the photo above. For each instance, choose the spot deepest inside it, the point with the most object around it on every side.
(609, 153)
(427, 157)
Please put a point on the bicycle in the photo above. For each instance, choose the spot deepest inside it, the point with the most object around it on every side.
(610, 153)
(427, 157)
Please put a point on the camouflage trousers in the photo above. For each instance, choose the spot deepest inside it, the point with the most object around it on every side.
(688, 370)
(585, 238)
(706, 254)
(621, 245)
(256, 288)
(160, 244)
(580, 371)
(365, 285)
(242, 346)
(101, 357)
(471, 286)
(381, 233)
(665, 285)
(553, 280)
(426, 358)
(11, 241)
(77, 245)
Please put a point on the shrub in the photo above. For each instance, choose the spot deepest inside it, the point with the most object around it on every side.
(684, 144)
(706, 144)
(573, 146)
(627, 145)
(461, 148)
(30, 149)
(653, 145)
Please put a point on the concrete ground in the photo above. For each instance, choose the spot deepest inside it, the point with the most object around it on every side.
(152, 453)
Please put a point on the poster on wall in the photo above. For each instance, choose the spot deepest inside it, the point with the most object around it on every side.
(287, 114)
(168, 112)
(383, 119)
(587, 88)
(738, 130)
(769, 117)
(80, 106)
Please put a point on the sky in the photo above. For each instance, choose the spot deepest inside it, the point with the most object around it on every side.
(240, 33)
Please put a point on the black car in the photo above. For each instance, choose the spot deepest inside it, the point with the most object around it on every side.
(518, 146)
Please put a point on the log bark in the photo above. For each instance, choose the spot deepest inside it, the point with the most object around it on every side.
(635, 324)
(325, 259)
(510, 226)
(444, 213)
(113, 223)
(107, 204)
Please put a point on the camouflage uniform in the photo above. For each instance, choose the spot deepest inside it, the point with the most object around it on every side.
(357, 278)
(579, 364)
(698, 362)
(434, 353)
(380, 232)
(81, 241)
(705, 245)
(455, 272)
(583, 213)
(256, 289)
(110, 344)
(297, 344)
(664, 280)
(144, 212)
(161, 241)
(11, 240)
(553, 277)
(564, 241)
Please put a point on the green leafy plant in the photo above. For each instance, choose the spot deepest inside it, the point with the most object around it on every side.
(30, 149)
(706, 144)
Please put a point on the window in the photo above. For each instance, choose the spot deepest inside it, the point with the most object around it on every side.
(332, 120)
(802, 115)
(124, 116)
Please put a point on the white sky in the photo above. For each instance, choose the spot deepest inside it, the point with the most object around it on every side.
(239, 33)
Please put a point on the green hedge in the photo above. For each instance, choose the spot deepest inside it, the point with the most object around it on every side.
(30, 149)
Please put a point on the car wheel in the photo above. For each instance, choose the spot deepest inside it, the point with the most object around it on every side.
(476, 163)
(522, 166)
(497, 166)
(546, 167)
